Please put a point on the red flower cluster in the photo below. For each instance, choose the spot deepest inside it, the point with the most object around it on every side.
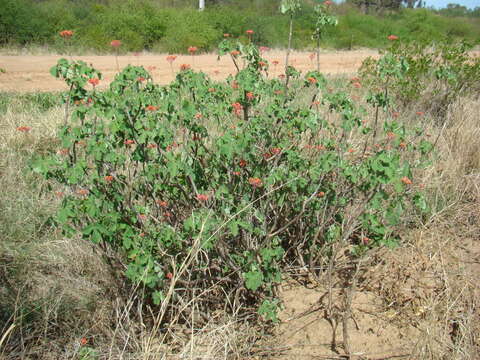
(250, 95)
(94, 81)
(237, 108)
(129, 142)
(162, 203)
(192, 49)
(184, 67)
(109, 178)
(249, 32)
(242, 163)
(202, 197)
(115, 44)
(320, 194)
(312, 80)
(392, 37)
(66, 34)
(255, 182)
(171, 58)
(151, 108)
(24, 129)
(406, 180)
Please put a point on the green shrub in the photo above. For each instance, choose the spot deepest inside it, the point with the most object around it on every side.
(204, 188)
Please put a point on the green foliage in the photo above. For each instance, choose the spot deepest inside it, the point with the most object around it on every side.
(221, 184)
(156, 25)
(437, 72)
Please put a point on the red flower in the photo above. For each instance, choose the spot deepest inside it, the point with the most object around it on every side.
(351, 151)
(140, 79)
(402, 145)
(115, 44)
(171, 58)
(366, 240)
(255, 182)
(198, 116)
(392, 37)
(94, 81)
(192, 49)
(420, 113)
(249, 32)
(82, 192)
(237, 108)
(390, 135)
(406, 180)
(275, 150)
(250, 95)
(236, 173)
(235, 53)
(59, 194)
(262, 64)
(151, 108)
(24, 129)
(320, 194)
(109, 178)
(267, 155)
(162, 203)
(328, 2)
(226, 35)
(357, 85)
(169, 275)
(202, 197)
(83, 341)
(395, 114)
(312, 80)
(184, 67)
(275, 62)
(129, 142)
(242, 163)
(66, 34)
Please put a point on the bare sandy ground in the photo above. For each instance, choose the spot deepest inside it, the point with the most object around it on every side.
(25, 73)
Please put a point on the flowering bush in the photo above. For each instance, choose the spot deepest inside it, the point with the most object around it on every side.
(204, 189)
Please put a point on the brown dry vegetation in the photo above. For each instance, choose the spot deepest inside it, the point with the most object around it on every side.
(418, 301)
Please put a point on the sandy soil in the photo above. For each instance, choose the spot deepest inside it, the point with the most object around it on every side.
(31, 72)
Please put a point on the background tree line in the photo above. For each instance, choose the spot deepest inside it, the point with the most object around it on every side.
(173, 25)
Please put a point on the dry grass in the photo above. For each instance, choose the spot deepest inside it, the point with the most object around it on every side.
(55, 290)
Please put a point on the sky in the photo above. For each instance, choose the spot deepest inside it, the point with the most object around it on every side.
(443, 3)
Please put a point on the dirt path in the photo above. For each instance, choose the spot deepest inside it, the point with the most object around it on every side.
(27, 73)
